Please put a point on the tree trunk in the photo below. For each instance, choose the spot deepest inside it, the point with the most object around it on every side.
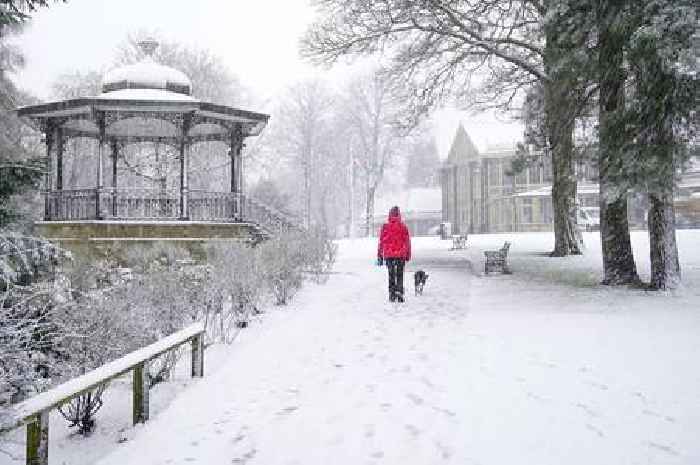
(618, 260)
(369, 210)
(559, 107)
(307, 189)
(663, 251)
(560, 126)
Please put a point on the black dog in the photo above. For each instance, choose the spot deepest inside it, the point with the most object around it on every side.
(420, 277)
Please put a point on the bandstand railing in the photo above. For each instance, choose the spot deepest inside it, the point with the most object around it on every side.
(162, 205)
(70, 205)
(147, 204)
(215, 206)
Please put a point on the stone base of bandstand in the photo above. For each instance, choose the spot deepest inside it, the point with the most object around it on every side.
(96, 239)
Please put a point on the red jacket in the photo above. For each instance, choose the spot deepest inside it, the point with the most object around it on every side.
(394, 241)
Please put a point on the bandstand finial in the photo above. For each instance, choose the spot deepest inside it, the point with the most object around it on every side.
(148, 46)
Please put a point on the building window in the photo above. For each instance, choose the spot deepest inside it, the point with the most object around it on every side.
(547, 168)
(527, 210)
(495, 173)
(546, 205)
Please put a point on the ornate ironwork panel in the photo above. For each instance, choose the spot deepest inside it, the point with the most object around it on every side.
(214, 206)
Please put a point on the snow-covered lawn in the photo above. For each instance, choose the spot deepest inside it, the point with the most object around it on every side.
(543, 366)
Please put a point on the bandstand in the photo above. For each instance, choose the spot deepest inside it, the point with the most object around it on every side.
(147, 105)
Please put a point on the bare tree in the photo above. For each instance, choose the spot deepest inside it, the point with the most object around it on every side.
(437, 47)
(372, 115)
(302, 132)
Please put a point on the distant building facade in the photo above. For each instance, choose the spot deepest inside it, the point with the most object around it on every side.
(420, 210)
(480, 196)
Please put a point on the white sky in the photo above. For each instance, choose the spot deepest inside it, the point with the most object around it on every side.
(257, 40)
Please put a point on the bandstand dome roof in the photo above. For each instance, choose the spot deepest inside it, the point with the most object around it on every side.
(143, 91)
(147, 74)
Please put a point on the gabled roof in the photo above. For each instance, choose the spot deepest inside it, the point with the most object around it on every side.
(463, 149)
(414, 200)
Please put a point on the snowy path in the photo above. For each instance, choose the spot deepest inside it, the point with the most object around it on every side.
(497, 370)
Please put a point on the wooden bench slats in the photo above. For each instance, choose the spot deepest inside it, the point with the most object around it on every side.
(497, 259)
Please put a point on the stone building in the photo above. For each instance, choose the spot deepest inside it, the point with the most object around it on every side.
(420, 210)
(479, 195)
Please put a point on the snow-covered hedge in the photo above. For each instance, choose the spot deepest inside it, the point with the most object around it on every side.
(58, 322)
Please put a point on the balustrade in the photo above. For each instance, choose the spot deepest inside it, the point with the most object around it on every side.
(159, 205)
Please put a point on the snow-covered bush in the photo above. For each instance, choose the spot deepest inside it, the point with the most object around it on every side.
(165, 293)
(81, 410)
(30, 336)
(235, 288)
(282, 258)
(319, 254)
(289, 257)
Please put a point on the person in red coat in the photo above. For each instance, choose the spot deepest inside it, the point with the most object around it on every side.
(394, 249)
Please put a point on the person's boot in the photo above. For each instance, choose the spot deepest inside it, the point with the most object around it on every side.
(392, 296)
(399, 296)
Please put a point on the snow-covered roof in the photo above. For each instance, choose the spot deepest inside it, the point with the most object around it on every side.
(546, 191)
(416, 200)
(146, 94)
(147, 74)
(134, 93)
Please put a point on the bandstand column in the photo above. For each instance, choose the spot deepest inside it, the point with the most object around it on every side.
(115, 155)
(49, 140)
(101, 142)
(236, 168)
(185, 166)
(59, 158)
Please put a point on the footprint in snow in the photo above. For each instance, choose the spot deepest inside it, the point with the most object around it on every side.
(587, 409)
(601, 386)
(445, 452)
(288, 410)
(444, 411)
(651, 413)
(661, 447)
(245, 458)
(412, 430)
(427, 382)
(417, 400)
(536, 397)
(597, 431)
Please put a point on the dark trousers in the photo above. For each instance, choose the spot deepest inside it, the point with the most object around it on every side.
(395, 267)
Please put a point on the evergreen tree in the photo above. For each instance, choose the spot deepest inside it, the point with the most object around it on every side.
(618, 261)
(661, 119)
(20, 166)
(13, 12)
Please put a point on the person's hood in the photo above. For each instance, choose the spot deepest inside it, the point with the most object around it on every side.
(394, 215)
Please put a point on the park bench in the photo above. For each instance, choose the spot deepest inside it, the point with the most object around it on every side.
(459, 241)
(497, 259)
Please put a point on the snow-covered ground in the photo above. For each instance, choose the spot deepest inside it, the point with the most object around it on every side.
(543, 366)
